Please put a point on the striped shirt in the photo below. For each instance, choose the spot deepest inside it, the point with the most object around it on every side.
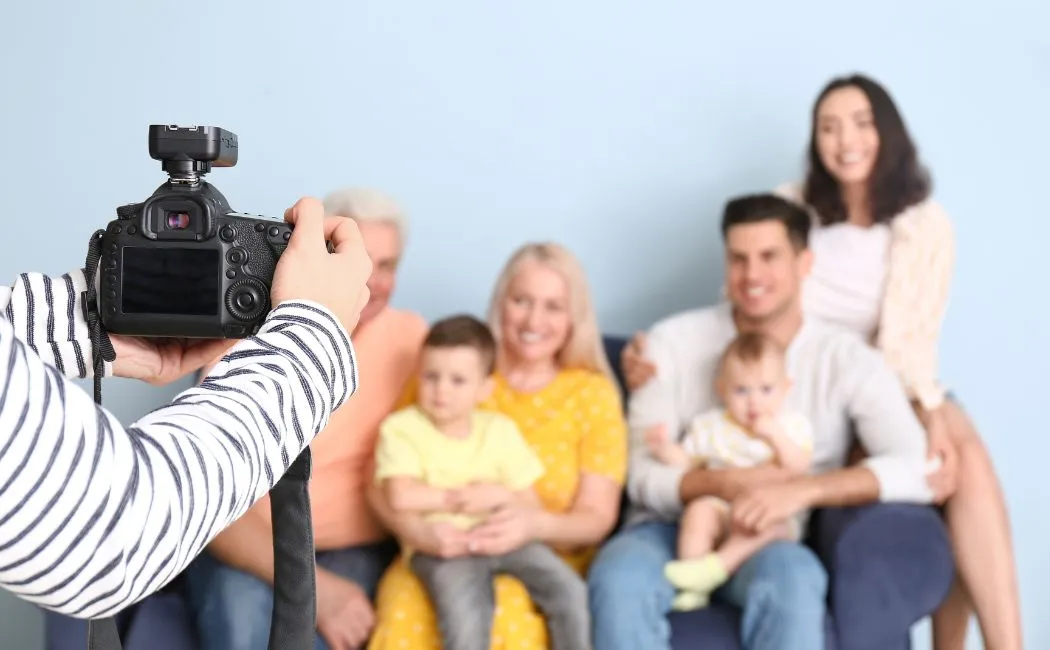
(95, 516)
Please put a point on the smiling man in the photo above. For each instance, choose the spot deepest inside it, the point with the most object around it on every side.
(838, 381)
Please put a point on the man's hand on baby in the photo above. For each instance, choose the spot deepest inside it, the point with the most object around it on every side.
(757, 509)
(482, 498)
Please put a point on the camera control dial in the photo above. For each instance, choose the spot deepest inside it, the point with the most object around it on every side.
(247, 300)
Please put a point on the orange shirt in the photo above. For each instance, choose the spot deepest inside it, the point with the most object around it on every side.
(387, 350)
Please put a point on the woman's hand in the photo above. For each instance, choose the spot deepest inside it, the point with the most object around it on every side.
(507, 529)
(160, 361)
(637, 370)
(943, 457)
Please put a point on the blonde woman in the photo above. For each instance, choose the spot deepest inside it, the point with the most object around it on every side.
(553, 380)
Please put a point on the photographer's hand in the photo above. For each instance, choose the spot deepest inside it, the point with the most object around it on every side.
(162, 361)
(306, 271)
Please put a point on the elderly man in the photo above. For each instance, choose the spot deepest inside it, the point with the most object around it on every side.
(230, 586)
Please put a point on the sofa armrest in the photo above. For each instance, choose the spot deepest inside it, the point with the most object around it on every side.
(890, 565)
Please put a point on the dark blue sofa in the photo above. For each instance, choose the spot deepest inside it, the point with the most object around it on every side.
(890, 566)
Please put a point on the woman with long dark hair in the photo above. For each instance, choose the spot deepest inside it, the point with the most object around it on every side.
(883, 258)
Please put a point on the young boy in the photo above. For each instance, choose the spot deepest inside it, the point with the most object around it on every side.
(751, 428)
(453, 463)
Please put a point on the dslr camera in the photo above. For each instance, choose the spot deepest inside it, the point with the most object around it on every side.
(182, 263)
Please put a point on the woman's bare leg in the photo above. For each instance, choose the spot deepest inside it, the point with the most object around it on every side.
(952, 620)
(980, 532)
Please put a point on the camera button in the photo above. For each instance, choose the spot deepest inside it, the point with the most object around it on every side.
(132, 230)
(259, 227)
(116, 228)
(231, 273)
(237, 256)
(227, 233)
(274, 231)
(287, 236)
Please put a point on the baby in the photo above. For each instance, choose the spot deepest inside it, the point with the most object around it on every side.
(750, 429)
(453, 463)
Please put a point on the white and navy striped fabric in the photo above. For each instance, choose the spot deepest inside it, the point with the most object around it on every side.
(95, 516)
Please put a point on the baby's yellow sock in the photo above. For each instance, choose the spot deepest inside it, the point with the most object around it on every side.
(687, 601)
(703, 575)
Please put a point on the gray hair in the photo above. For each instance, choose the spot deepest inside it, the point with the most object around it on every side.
(366, 205)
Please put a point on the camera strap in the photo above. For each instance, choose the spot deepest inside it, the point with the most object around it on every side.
(293, 622)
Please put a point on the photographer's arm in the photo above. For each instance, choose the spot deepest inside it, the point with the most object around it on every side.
(95, 517)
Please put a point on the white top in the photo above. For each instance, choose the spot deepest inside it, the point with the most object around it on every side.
(848, 280)
(720, 442)
(93, 516)
(839, 382)
(917, 289)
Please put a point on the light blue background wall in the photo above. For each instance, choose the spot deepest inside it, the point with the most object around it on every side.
(615, 127)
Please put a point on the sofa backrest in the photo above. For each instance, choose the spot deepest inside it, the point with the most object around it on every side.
(614, 345)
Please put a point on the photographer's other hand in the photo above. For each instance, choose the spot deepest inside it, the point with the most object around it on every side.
(306, 270)
(162, 361)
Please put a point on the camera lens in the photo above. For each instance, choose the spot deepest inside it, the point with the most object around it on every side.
(178, 220)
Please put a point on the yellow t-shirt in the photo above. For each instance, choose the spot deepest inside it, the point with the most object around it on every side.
(410, 446)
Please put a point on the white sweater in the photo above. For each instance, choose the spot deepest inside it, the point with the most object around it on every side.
(839, 382)
(93, 516)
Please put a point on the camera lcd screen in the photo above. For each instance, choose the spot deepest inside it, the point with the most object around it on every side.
(176, 281)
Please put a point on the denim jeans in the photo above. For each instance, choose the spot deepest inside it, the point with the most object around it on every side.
(782, 591)
(232, 608)
(63, 632)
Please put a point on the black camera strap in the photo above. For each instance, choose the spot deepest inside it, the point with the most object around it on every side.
(294, 618)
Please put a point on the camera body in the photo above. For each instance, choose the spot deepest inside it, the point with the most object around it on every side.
(182, 263)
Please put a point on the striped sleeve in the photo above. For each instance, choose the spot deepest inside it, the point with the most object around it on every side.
(47, 315)
(93, 516)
